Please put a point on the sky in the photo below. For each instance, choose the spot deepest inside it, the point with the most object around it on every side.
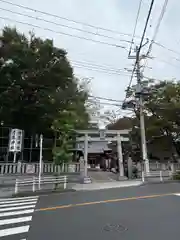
(110, 52)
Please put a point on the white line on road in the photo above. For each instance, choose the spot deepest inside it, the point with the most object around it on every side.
(5, 214)
(22, 198)
(12, 231)
(19, 204)
(16, 208)
(18, 201)
(15, 220)
(177, 194)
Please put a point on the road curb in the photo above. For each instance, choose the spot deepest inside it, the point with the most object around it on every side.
(106, 185)
(39, 193)
(164, 182)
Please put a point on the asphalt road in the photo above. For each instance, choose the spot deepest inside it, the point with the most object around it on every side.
(146, 212)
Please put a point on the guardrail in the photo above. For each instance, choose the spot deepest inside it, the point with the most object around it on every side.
(28, 168)
(152, 174)
(35, 181)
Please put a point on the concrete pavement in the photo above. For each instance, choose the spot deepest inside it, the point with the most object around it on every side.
(106, 185)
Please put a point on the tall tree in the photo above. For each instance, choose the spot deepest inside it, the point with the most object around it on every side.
(37, 81)
(162, 114)
(37, 85)
(162, 110)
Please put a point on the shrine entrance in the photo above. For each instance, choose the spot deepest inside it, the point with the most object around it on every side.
(95, 143)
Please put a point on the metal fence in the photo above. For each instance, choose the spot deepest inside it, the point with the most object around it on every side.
(25, 168)
(156, 176)
(36, 183)
(158, 166)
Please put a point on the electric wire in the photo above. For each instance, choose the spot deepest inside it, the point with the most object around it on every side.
(146, 24)
(84, 24)
(65, 18)
(63, 25)
(139, 48)
(63, 33)
(161, 16)
(137, 18)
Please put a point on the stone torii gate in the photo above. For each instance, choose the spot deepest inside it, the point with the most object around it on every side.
(86, 136)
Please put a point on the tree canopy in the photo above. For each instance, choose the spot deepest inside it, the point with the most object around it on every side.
(36, 82)
(39, 92)
(162, 122)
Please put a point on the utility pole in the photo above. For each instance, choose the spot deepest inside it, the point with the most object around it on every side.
(139, 92)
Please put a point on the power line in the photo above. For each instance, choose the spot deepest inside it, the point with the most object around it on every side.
(85, 24)
(164, 61)
(66, 26)
(130, 82)
(107, 99)
(64, 18)
(99, 70)
(156, 30)
(137, 17)
(146, 24)
(168, 49)
(92, 64)
(158, 25)
(140, 46)
(62, 33)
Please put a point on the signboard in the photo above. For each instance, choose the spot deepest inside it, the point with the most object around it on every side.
(15, 141)
(30, 168)
(102, 133)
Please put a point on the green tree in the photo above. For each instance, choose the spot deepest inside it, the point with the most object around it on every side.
(162, 111)
(37, 85)
(63, 126)
(37, 81)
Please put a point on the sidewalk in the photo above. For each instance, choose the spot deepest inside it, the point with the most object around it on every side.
(106, 185)
(6, 192)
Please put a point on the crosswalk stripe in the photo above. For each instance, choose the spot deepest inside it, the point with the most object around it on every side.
(19, 204)
(16, 208)
(5, 214)
(16, 201)
(12, 231)
(15, 220)
(177, 194)
(16, 211)
(21, 198)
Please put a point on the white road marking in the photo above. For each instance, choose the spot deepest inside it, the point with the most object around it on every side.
(4, 214)
(19, 204)
(22, 198)
(16, 208)
(12, 211)
(16, 201)
(15, 220)
(177, 194)
(12, 231)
